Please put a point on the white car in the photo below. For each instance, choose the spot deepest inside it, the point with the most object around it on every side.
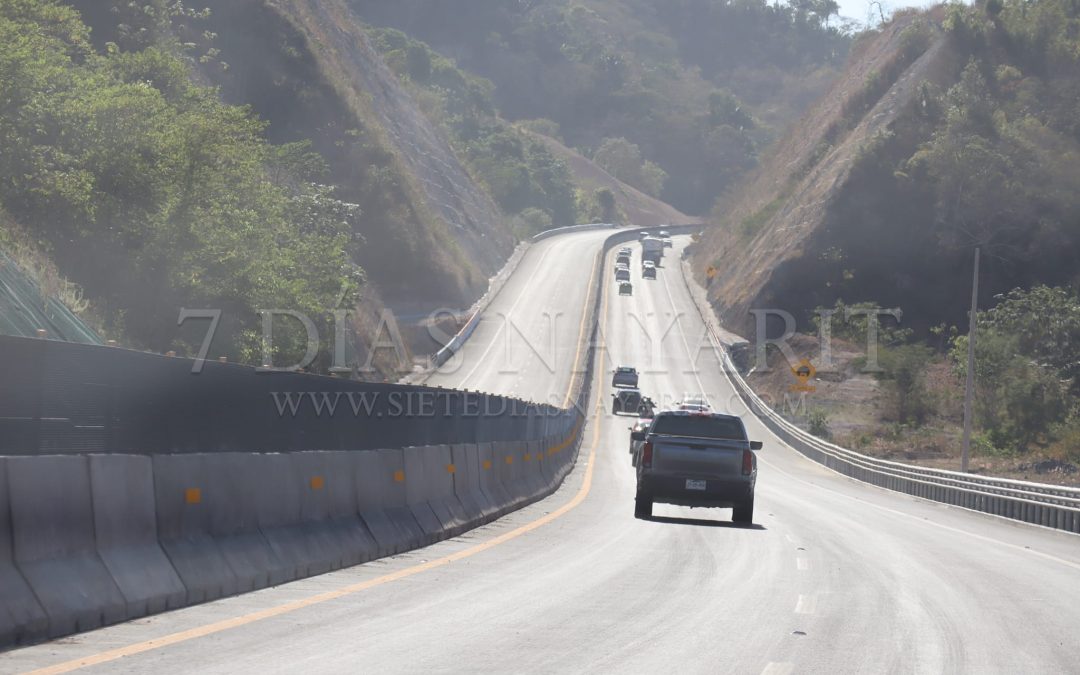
(694, 403)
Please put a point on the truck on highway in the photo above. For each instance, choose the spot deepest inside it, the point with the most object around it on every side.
(652, 250)
(696, 459)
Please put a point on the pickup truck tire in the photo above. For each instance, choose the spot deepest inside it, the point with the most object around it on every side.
(643, 507)
(615, 408)
(744, 513)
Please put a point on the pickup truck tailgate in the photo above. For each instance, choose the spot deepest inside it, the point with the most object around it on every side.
(697, 457)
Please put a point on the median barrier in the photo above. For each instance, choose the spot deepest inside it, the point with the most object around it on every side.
(52, 519)
(381, 501)
(125, 529)
(328, 505)
(491, 478)
(467, 484)
(22, 618)
(233, 489)
(183, 524)
(302, 548)
(416, 494)
(438, 488)
(534, 467)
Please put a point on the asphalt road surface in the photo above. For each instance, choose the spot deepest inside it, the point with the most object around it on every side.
(834, 577)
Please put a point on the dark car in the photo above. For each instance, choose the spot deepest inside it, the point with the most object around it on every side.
(697, 459)
(626, 288)
(625, 376)
(625, 401)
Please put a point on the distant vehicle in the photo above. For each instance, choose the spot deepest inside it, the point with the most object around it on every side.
(626, 288)
(648, 272)
(694, 403)
(637, 432)
(625, 400)
(625, 376)
(664, 234)
(623, 259)
(626, 250)
(622, 274)
(667, 242)
(698, 460)
(652, 250)
(647, 408)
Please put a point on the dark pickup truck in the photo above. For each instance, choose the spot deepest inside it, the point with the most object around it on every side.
(690, 458)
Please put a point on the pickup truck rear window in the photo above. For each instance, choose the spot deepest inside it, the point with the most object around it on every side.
(699, 427)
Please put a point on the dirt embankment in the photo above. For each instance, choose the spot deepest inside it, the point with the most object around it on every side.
(470, 227)
(777, 213)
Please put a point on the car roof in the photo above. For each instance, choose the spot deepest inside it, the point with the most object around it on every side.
(626, 368)
(694, 413)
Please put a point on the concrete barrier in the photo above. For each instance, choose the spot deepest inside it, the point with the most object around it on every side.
(328, 506)
(125, 529)
(418, 492)
(478, 508)
(439, 472)
(183, 523)
(534, 467)
(491, 484)
(52, 519)
(22, 618)
(381, 501)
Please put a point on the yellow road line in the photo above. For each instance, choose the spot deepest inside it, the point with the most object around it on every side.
(581, 327)
(352, 589)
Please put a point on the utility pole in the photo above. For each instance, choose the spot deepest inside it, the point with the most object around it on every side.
(969, 387)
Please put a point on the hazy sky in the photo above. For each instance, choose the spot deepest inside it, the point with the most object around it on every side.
(857, 9)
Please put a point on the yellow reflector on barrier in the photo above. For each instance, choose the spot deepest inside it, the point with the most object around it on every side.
(450, 468)
(317, 482)
(193, 496)
(487, 463)
(399, 476)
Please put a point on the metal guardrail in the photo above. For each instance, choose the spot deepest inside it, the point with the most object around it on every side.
(1051, 506)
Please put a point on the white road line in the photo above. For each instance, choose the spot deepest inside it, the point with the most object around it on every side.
(802, 563)
(807, 604)
(778, 668)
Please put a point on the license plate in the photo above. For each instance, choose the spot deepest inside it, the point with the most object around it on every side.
(695, 484)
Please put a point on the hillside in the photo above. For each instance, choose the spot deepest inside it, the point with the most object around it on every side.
(699, 86)
(636, 207)
(776, 219)
(950, 129)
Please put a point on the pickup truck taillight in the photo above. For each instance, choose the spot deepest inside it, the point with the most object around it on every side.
(747, 462)
(646, 454)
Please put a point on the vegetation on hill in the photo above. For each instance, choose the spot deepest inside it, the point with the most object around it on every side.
(527, 182)
(699, 86)
(983, 151)
(151, 193)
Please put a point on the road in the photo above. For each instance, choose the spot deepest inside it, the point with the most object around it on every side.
(527, 341)
(835, 576)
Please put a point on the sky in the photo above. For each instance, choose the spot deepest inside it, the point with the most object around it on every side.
(858, 9)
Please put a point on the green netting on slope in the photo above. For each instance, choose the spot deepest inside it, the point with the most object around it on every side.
(24, 309)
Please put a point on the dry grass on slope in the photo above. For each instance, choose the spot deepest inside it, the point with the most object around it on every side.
(774, 214)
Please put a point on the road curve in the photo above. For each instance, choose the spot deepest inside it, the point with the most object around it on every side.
(836, 576)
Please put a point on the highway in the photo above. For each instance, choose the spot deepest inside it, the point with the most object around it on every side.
(835, 576)
(527, 341)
